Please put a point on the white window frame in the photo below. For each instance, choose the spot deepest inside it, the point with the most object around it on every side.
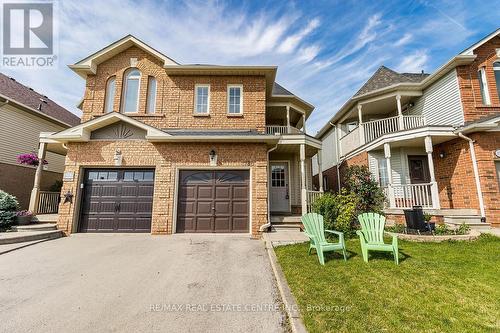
(195, 110)
(355, 123)
(229, 86)
(124, 93)
(497, 69)
(107, 93)
(151, 109)
(484, 87)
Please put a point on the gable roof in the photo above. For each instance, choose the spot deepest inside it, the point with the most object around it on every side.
(279, 90)
(89, 64)
(470, 49)
(26, 97)
(385, 77)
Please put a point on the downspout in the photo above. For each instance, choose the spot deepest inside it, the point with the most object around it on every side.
(337, 153)
(476, 175)
(268, 224)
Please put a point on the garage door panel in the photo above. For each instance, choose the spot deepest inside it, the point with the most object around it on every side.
(117, 200)
(224, 190)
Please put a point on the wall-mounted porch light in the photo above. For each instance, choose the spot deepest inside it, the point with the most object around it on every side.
(442, 154)
(118, 157)
(213, 158)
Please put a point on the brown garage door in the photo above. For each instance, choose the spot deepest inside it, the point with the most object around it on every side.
(117, 200)
(213, 201)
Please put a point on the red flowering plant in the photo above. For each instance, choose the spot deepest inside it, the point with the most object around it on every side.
(30, 159)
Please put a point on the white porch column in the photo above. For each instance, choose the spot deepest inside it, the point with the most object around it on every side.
(387, 154)
(434, 188)
(400, 113)
(304, 122)
(35, 192)
(303, 178)
(361, 125)
(320, 170)
(288, 119)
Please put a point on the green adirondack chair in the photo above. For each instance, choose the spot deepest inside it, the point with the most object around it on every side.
(371, 236)
(314, 229)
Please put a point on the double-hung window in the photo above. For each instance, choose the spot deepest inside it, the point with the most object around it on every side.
(235, 99)
(151, 100)
(110, 95)
(496, 70)
(131, 91)
(202, 99)
(485, 94)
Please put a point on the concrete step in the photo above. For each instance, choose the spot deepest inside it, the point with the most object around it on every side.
(286, 227)
(28, 236)
(45, 218)
(472, 221)
(35, 227)
(285, 219)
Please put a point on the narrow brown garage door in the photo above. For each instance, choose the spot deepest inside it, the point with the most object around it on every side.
(117, 200)
(213, 201)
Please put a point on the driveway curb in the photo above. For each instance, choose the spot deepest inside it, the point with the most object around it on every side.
(291, 306)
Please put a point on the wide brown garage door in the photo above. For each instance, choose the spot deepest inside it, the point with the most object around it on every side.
(213, 201)
(117, 200)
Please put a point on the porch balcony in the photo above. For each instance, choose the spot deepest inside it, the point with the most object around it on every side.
(282, 130)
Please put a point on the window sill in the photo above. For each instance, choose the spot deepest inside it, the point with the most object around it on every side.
(235, 115)
(491, 106)
(143, 114)
(201, 114)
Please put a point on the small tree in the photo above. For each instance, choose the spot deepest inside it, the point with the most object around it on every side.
(338, 210)
(358, 180)
(8, 207)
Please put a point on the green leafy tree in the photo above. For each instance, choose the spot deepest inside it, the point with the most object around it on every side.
(338, 210)
(8, 207)
(358, 180)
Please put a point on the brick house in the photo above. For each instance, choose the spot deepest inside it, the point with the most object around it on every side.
(170, 148)
(429, 139)
(24, 113)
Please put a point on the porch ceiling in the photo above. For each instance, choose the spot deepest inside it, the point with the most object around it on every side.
(415, 141)
(295, 149)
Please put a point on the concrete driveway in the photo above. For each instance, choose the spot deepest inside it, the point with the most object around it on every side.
(121, 282)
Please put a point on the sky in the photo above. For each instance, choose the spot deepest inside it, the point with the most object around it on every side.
(324, 50)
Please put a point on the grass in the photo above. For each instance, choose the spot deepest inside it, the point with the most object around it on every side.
(438, 287)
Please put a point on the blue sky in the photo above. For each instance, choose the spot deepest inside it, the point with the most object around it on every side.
(325, 50)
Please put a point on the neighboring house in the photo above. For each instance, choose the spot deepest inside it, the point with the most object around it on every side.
(166, 148)
(24, 113)
(414, 132)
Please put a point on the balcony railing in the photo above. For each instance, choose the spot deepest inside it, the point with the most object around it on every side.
(48, 202)
(410, 122)
(281, 130)
(350, 141)
(409, 195)
(376, 128)
(312, 196)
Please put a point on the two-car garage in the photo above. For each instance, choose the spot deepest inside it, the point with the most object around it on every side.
(208, 201)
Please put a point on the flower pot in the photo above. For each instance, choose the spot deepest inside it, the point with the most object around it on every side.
(23, 220)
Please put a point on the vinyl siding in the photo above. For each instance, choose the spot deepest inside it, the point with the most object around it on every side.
(19, 133)
(329, 152)
(399, 163)
(441, 103)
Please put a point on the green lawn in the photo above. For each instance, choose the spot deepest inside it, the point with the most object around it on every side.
(438, 287)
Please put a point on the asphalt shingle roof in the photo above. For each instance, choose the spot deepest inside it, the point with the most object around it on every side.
(280, 90)
(385, 77)
(18, 92)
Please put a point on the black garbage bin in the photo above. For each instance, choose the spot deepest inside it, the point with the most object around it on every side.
(415, 218)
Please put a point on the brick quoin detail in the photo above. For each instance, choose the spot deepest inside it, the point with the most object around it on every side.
(166, 158)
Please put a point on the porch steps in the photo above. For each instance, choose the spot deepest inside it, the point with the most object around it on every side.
(473, 221)
(286, 222)
(35, 227)
(45, 218)
(28, 236)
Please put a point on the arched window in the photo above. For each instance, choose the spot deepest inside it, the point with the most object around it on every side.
(131, 91)
(496, 69)
(110, 95)
(151, 101)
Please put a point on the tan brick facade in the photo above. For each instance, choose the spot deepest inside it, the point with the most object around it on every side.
(175, 95)
(470, 90)
(455, 176)
(166, 158)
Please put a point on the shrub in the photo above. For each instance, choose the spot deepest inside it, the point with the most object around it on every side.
(8, 208)
(358, 180)
(442, 229)
(463, 229)
(338, 210)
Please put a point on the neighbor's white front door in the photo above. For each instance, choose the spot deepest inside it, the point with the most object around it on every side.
(279, 194)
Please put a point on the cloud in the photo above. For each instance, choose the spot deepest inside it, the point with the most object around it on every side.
(291, 42)
(404, 40)
(414, 62)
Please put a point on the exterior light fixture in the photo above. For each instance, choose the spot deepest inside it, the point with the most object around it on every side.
(442, 154)
(118, 157)
(213, 158)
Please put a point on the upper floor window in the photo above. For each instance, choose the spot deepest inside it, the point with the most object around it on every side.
(351, 126)
(202, 99)
(235, 99)
(485, 94)
(110, 95)
(383, 173)
(131, 91)
(151, 101)
(496, 69)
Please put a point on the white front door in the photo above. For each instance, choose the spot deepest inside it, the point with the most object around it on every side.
(279, 194)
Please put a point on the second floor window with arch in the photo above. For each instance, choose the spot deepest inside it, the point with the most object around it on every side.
(110, 95)
(496, 69)
(130, 96)
(151, 100)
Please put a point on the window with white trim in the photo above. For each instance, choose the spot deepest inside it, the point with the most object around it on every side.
(110, 95)
(485, 94)
(151, 100)
(496, 70)
(235, 99)
(383, 173)
(132, 80)
(351, 126)
(202, 99)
